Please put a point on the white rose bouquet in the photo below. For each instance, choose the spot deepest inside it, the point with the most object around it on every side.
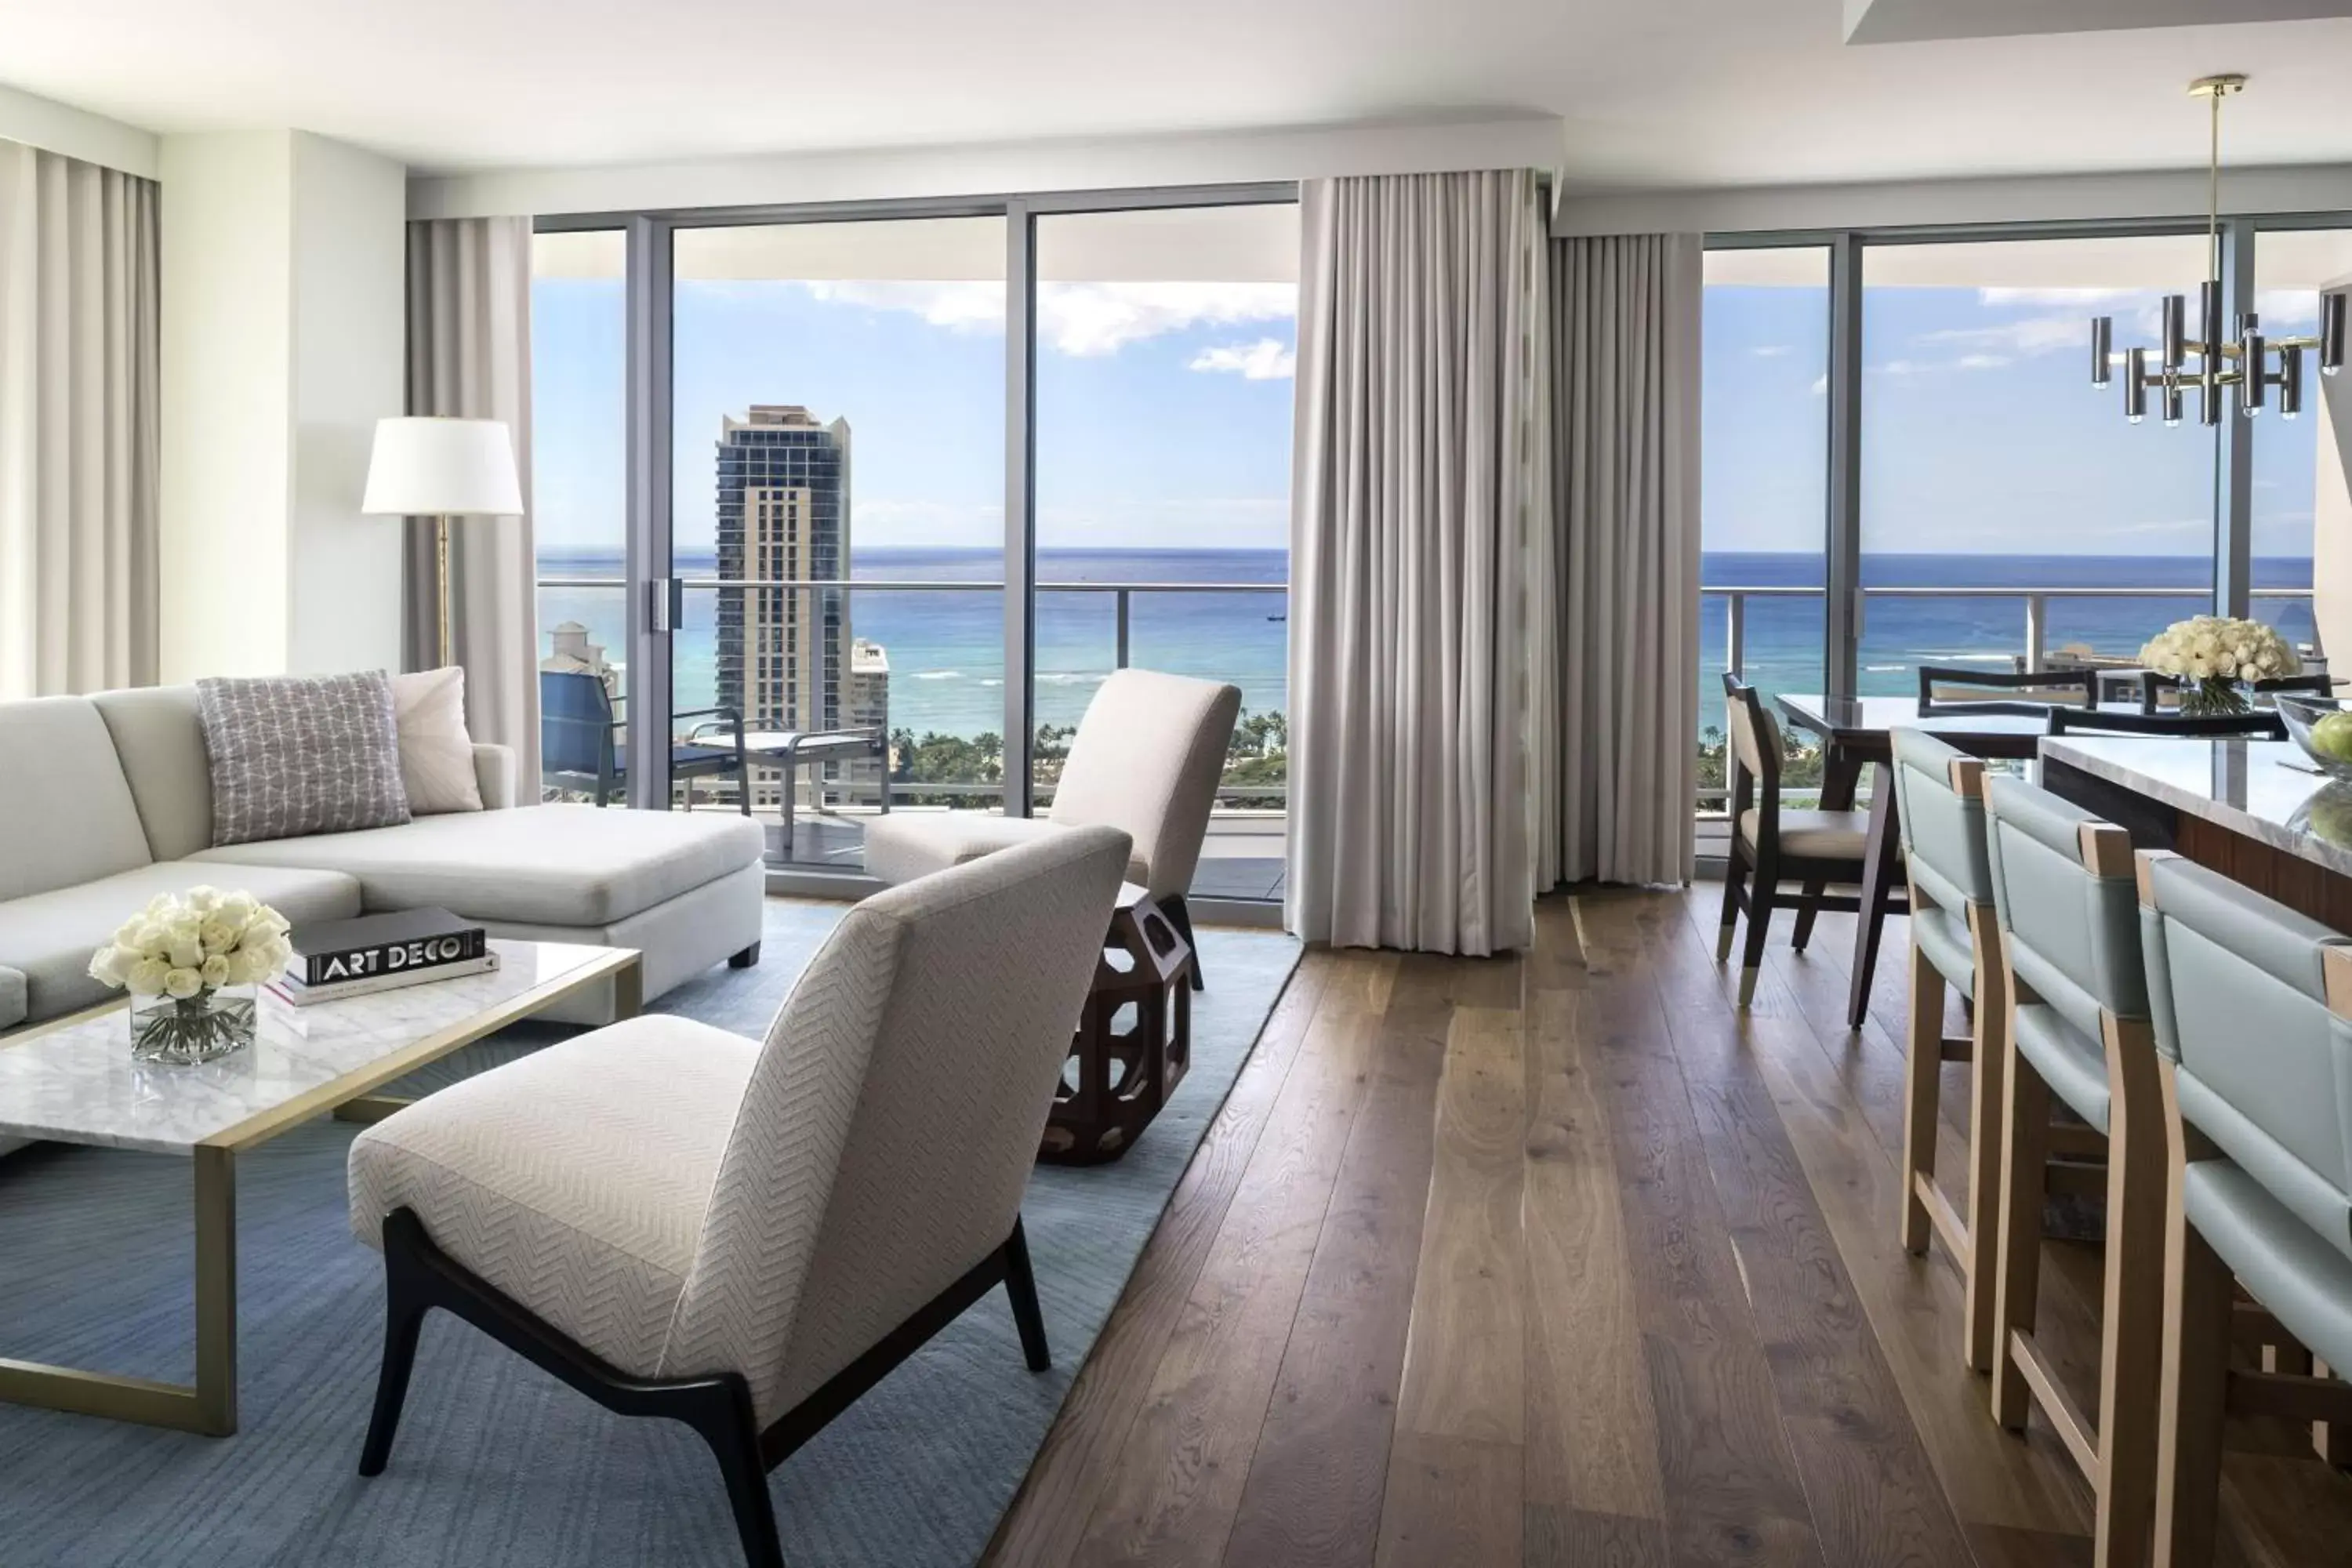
(177, 954)
(2210, 655)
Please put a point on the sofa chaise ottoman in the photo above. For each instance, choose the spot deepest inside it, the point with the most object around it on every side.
(106, 801)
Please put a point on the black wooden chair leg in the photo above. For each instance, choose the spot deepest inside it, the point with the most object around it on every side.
(1735, 872)
(722, 1418)
(1180, 915)
(1021, 1284)
(745, 959)
(1814, 888)
(404, 1318)
(1761, 896)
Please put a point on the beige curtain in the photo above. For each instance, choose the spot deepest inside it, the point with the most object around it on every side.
(79, 449)
(1419, 480)
(469, 357)
(1616, 739)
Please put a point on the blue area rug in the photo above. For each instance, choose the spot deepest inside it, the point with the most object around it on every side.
(498, 1463)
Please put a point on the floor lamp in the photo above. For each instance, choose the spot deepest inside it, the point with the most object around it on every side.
(441, 469)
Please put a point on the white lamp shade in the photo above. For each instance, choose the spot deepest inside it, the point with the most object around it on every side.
(455, 468)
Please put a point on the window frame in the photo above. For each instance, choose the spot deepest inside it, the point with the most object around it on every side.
(2232, 501)
(654, 593)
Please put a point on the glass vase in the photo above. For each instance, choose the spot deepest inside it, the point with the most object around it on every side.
(180, 1031)
(2212, 697)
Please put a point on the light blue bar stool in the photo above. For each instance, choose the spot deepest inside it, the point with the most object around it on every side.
(2068, 906)
(2252, 1009)
(1955, 942)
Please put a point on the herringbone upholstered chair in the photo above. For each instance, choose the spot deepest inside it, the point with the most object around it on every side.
(1146, 760)
(683, 1223)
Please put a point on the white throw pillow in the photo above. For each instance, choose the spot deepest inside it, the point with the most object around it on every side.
(437, 755)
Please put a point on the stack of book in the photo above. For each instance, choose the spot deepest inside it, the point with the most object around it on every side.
(335, 958)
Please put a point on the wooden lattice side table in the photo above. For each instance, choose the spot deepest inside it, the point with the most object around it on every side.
(1134, 1040)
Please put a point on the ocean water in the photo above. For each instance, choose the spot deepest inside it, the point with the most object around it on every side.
(946, 649)
(1899, 633)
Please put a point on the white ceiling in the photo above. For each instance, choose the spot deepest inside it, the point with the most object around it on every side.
(1653, 92)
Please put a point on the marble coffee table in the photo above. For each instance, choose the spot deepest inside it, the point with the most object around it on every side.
(74, 1081)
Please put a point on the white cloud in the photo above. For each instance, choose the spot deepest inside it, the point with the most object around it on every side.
(964, 307)
(2053, 296)
(2286, 308)
(1982, 361)
(1082, 320)
(1264, 360)
(2027, 335)
(1770, 351)
(1091, 319)
(1820, 387)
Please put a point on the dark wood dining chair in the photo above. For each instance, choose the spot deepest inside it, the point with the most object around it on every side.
(2155, 689)
(1770, 844)
(2263, 725)
(1946, 687)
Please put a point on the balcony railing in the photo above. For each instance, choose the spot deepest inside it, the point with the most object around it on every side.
(1122, 621)
(2034, 651)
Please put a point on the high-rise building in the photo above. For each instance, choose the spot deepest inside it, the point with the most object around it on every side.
(867, 707)
(784, 517)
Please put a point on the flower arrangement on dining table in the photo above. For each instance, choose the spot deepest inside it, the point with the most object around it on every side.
(179, 956)
(2217, 657)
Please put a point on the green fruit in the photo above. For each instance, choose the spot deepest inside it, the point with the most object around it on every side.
(2332, 737)
(2328, 815)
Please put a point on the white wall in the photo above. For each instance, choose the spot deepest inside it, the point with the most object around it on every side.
(227, 401)
(350, 301)
(283, 258)
(57, 127)
(985, 169)
(2180, 193)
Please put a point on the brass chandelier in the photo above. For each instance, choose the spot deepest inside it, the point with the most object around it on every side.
(2209, 361)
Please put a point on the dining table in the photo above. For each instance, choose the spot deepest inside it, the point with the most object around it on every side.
(1857, 732)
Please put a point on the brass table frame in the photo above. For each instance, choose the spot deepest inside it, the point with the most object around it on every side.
(209, 1405)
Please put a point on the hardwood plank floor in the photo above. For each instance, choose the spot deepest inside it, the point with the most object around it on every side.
(1560, 1259)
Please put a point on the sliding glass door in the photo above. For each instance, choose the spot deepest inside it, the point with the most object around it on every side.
(890, 489)
(579, 415)
(837, 399)
(2011, 518)
(1764, 464)
(1165, 339)
(1904, 462)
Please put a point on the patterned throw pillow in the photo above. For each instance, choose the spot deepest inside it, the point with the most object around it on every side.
(299, 754)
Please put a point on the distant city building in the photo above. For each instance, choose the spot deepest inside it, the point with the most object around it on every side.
(573, 654)
(783, 654)
(866, 706)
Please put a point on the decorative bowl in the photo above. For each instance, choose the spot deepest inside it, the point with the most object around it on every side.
(2323, 728)
(2326, 814)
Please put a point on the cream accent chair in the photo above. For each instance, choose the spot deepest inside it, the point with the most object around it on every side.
(1146, 760)
(745, 1237)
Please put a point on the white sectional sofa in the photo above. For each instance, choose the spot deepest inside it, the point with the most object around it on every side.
(106, 801)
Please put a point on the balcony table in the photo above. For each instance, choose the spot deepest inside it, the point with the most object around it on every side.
(1855, 732)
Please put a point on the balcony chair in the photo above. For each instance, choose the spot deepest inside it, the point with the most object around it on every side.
(1943, 688)
(2252, 1008)
(2154, 689)
(743, 1236)
(579, 738)
(2260, 726)
(1146, 760)
(1955, 942)
(1778, 844)
(2078, 1029)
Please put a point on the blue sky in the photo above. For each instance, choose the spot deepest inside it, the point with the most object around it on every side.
(1981, 433)
(1164, 417)
(1163, 410)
